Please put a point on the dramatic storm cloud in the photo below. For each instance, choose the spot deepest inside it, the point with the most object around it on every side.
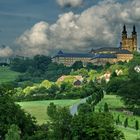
(98, 26)
(70, 3)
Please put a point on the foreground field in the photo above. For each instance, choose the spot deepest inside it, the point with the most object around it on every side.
(6, 75)
(115, 103)
(38, 109)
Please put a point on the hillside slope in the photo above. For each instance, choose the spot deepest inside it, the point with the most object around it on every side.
(7, 75)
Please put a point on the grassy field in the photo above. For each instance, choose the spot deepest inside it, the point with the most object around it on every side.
(114, 103)
(130, 134)
(38, 109)
(6, 75)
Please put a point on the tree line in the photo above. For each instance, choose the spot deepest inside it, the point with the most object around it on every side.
(41, 67)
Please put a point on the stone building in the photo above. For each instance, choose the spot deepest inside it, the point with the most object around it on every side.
(103, 57)
(69, 58)
(129, 43)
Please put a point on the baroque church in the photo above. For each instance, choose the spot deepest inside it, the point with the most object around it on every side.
(104, 55)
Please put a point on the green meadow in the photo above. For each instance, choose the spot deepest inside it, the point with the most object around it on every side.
(38, 109)
(7, 75)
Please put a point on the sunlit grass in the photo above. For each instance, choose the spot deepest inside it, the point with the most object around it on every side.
(38, 109)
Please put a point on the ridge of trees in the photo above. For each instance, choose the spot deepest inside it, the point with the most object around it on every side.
(82, 126)
(41, 67)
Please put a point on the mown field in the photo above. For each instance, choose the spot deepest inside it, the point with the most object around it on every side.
(38, 109)
(6, 75)
(115, 103)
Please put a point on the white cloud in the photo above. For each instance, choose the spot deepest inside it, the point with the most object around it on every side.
(35, 39)
(70, 3)
(98, 26)
(37, 35)
(5, 51)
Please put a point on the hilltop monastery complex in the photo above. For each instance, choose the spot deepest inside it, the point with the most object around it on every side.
(103, 55)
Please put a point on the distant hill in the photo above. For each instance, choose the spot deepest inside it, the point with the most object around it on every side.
(7, 75)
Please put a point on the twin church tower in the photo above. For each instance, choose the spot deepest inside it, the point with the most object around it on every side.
(129, 43)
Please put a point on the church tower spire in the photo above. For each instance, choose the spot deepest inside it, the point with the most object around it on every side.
(134, 30)
(124, 32)
(134, 37)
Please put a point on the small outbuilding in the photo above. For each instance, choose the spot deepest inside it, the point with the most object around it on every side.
(77, 83)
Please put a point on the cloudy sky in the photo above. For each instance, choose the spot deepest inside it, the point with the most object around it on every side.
(30, 27)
